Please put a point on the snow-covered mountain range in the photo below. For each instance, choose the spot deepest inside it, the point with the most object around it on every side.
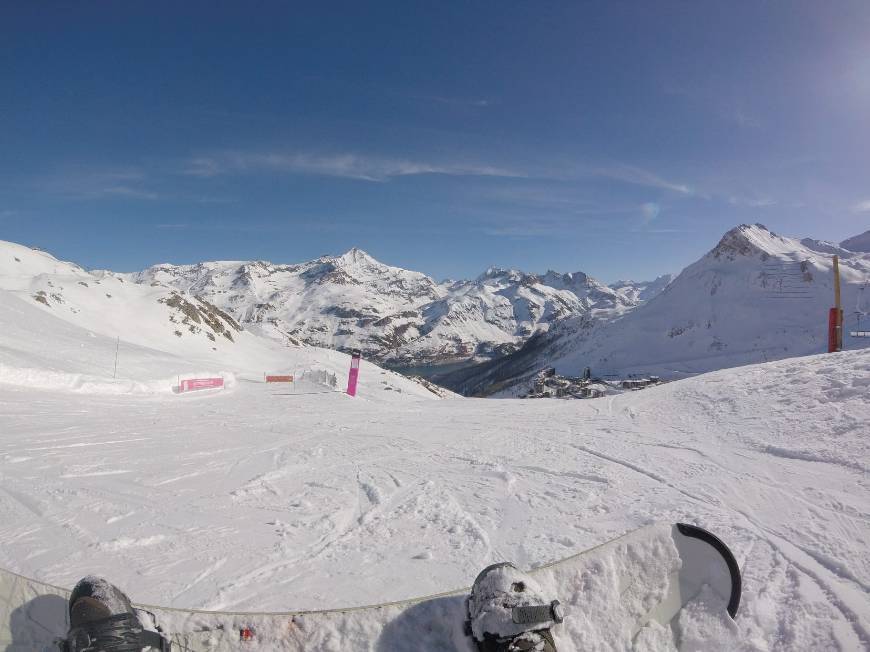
(756, 296)
(63, 327)
(394, 315)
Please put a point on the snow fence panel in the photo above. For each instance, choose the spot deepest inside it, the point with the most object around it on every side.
(196, 384)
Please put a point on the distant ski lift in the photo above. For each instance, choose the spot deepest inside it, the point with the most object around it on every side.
(787, 279)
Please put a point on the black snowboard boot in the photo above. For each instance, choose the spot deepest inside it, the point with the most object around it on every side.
(507, 612)
(101, 619)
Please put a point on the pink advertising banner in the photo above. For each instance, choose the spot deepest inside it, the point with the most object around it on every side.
(193, 384)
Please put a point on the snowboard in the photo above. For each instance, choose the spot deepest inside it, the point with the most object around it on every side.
(628, 593)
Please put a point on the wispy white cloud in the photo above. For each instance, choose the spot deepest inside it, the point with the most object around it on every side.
(640, 177)
(752, 202)
(525, 222)
(125, 191)
(862, 207)
(552, 198)
(100, 184)
(205, 167)
(455, 101)
(659, 231)
(728, 105)
(206, 199)
(515, 230)
(348, 166)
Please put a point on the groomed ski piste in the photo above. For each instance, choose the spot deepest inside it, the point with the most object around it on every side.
(276, 498)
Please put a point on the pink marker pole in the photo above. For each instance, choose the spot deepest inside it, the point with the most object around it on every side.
(353, 375)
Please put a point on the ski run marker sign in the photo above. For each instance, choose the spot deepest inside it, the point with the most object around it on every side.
(353, 374)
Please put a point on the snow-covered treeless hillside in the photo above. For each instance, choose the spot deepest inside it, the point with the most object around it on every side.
(60, 326)
(756, 296)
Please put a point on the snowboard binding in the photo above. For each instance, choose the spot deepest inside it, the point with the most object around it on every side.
(102, 619)
(508, 612)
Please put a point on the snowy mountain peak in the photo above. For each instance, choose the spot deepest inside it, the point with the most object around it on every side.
(356, 256)
(750, 240)
(507, 275)
(569, 279)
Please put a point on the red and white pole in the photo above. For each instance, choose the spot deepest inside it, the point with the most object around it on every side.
(835, 315)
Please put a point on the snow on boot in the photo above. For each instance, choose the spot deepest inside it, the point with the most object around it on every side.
(102, 619)
(508, 612)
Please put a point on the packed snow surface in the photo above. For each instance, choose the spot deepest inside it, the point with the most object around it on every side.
(255, 498)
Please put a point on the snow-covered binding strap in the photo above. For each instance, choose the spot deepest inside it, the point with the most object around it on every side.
(543, 613)
(118, 633)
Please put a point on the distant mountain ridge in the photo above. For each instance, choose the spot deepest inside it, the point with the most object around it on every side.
(395, 316)
(65, 328)
(639, 291)
(756, 296)
(858, 243)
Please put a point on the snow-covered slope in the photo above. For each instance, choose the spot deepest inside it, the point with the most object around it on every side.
(636, 292)
(107, 304)
(391, 314)
(252, 500)
(756, 296)
(61, 326)
(858, 243)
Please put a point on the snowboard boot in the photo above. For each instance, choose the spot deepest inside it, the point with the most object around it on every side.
(101, 619)
(508, 612)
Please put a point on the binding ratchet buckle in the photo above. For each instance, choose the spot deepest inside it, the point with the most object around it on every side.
(529, 615)
(538, 614)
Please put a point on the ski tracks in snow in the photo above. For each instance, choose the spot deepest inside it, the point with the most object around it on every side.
(245, 502)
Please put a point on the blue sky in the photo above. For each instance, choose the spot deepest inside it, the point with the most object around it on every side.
(617, 138)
